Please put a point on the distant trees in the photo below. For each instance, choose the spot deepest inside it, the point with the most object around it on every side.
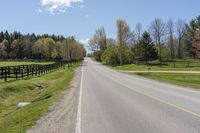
(98, 43)
(169, 40)
(138, 30)
(111, 55)
(50, 48)
(170, 28)
(4, 49)
(180, 31)
(158, 31)
(74, 49)
(30, 46)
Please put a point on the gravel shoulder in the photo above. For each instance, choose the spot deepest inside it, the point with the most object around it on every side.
(61, 117)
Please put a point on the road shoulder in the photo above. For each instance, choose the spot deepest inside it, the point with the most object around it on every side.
(61, 117)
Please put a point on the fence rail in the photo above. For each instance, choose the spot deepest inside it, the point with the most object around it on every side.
(23, 71)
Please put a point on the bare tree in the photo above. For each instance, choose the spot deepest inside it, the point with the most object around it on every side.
(180, 30)
(93, 45)
(170, 30)
(157, 30)
(101, 38)
(138, 30)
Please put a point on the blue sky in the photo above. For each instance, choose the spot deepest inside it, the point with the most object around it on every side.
(81, 17)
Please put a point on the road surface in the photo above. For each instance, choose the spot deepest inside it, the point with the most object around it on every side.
(114, 102)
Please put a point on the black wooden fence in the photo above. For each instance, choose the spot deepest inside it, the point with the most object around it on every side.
(23, 71)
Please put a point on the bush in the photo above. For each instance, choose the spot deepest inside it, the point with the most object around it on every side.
(165, 54)
(111, 56)
(97, 55)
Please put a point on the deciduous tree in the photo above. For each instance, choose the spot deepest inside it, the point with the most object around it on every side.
(124, 37)
(158, 30)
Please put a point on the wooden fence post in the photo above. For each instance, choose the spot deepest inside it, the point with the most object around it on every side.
(5, 74)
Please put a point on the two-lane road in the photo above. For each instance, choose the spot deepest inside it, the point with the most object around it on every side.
(113, 102)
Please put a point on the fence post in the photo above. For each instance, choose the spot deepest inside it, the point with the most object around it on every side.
(27, 70)
(8, 68)
(1, 72)
(15, 72)
(174, 64)
(36, 69)
(22, 72)
(5, 74)
(39, 68)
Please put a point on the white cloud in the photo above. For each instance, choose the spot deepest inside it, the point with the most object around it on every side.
(58, 6)
(84, 41)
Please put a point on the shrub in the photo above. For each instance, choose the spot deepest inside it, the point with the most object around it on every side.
(111, 56)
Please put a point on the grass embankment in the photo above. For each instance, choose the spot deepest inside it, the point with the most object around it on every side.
(186, 80)
(14, 120)
(5, 63)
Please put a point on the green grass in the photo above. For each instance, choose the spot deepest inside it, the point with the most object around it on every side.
(14, 120)
(186, 80)
(180, 66)
(5, 63)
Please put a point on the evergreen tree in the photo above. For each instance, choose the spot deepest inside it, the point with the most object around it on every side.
(145, 50)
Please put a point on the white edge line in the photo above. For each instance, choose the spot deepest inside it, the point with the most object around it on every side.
(78, 120)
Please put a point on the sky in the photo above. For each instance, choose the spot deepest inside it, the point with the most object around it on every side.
(81, 18)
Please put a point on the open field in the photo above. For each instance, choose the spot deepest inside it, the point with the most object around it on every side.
(5, 63)
(182, 79)
(18, 120)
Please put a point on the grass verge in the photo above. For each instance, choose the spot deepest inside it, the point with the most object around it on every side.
(186, 80)
(14, 120)
(155, 68)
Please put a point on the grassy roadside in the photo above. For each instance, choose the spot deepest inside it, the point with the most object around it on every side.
(155, 68)
(186, 80)
(181, 79)
(18, 121)
(5, 63)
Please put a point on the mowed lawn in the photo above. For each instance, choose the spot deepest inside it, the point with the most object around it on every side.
(182, 79)
(5, 63)
(179, 66)
(14, 120)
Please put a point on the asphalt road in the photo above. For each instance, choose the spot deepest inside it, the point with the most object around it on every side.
(114, 102)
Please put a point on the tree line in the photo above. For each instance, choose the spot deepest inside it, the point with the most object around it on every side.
(162, 41)
(48, 47)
